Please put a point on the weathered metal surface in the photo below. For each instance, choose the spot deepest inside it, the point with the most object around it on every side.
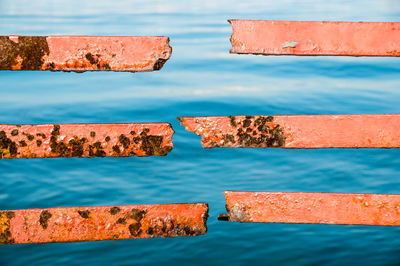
(312, 208)
(84, 53)
(85, 140)
(315, 38)
(102, 223)
(297, 131)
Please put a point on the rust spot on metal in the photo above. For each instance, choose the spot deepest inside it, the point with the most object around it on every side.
(124, 141)
(26, 54)
(84, 214)
(134, 229)
(5, 233)
(28, 136)
(39, 142)
(114, 210)
(44, 218)
(8, 148)
(22, 143)
(248, 131)
(116, 149)
(14, 132)
(42, 135)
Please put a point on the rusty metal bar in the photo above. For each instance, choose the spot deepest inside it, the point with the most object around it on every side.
(84, 53)
(315, 38)
(297, 131)
(312, 208)
(85, 140)
(102, 223)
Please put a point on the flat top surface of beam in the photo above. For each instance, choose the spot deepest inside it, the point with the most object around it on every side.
(318, 208)
(315, 38)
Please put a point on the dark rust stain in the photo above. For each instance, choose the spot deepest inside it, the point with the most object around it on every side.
(116, 149)
(233, 121)
(133, 133)
(22, 143)
(8, 148)
(58, 147)
(151, 144)
(134, 229)
(29, 51)
(257, 131)
(14, 132)
(76, 145)
(99, 149)
(93, 134)
(91, 58)
(95, 60)
(124, 141)
(5, 232)
(38, 143)
(169, 227)
(41, 135)
(121, 220)
(84, 214)
(135, 214)
(44, 218)
(30, 137)
(114, 210)
(107, 139)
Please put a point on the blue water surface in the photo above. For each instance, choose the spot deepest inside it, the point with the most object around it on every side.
(201, 78)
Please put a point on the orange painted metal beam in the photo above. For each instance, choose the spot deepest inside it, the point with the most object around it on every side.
(315, 38)
(102, 223)
(85, 140)
(84, 53)
(312, 208)
(297, 131)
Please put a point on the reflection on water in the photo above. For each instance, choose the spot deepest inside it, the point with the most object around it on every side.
(201, 78)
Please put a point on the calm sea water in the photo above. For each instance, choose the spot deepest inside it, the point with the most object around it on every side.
(201, 78)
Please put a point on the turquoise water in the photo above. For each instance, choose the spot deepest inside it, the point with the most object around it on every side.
(201, 78)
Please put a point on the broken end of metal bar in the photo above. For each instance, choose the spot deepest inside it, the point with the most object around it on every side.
(223, 217)
(231, 51)
(166, 55)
